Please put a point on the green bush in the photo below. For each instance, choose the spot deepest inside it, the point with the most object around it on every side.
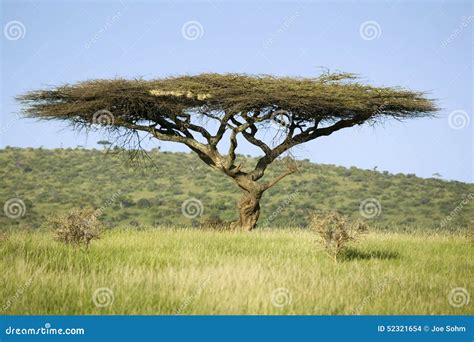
(336, 232)
(143, 203)
(76, 227)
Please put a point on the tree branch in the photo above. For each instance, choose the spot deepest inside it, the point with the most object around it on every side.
(250, 137)
(268, 185)
(222, 128)
(310, 133)
(204, 152)
(188, 125)
(233, 141)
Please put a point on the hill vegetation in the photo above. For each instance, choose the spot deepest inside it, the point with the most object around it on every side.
(52, 181)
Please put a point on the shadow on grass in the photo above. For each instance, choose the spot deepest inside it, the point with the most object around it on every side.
(355, 254)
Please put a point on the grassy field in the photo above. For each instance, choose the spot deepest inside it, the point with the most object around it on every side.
(171, 271)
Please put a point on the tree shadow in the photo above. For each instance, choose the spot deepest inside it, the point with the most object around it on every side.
(355, 254)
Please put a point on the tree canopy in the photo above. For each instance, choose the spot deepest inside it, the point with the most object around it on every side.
(325, 98)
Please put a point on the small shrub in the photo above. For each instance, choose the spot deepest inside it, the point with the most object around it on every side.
(143, 203)
(134, 223)
(215, 223)
(3, 236)
(470, 231)
(76, 227)
(336, 232)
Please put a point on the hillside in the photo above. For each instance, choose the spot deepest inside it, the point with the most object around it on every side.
(50, 181)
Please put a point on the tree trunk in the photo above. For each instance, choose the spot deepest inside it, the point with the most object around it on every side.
(249, 211)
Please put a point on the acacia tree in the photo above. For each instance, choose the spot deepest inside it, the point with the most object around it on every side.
(204, 110)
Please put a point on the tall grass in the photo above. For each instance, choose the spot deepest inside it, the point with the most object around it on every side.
(188, 271)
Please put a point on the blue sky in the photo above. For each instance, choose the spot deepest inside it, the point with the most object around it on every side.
(419, 45)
